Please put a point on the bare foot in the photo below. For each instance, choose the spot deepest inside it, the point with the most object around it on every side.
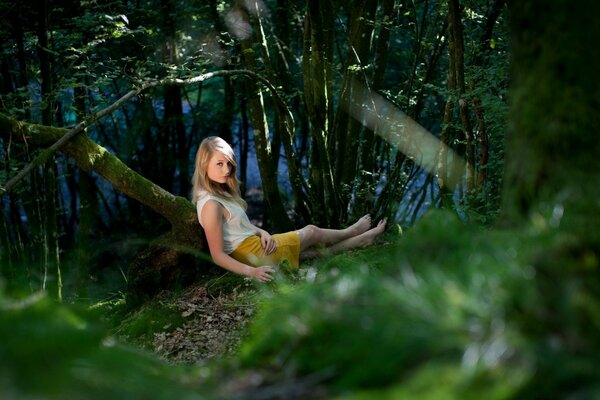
(369, 236)
(360, 226)
(362, 240)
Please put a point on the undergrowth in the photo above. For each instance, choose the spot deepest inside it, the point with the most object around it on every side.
(449, 310)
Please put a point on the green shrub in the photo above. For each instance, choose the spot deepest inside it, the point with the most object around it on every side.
(447, 311)
(53, 351)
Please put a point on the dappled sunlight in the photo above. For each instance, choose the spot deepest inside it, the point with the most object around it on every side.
(97, 155)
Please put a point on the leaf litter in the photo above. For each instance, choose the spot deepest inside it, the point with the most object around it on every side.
(214, 327)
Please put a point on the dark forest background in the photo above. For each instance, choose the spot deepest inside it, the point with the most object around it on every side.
(468, 124)
(442, 64)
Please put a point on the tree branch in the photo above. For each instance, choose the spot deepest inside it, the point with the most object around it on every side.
(66, 137)
(89, 156)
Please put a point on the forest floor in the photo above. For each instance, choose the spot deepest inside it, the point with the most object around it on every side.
(205, 321)
(213, 327)
(202, 322)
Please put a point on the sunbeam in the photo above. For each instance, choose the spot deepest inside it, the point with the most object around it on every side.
(404, 133)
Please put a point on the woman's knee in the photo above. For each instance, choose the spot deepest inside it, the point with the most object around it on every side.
(310, 233)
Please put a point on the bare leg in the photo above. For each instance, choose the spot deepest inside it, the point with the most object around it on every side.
(312, 235)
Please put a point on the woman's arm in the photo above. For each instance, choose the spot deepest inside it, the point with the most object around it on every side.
(212, 219)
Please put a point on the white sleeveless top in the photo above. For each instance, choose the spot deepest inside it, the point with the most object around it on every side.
(236, 228)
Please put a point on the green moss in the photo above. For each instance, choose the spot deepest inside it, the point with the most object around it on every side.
(158, 315)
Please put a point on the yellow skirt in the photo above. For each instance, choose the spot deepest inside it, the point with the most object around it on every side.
(252, 253)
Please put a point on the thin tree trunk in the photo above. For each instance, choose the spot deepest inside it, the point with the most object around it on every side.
(51, 216)
(373, 146)
(348, 130)
(431, 63)
(20, 41)
(44, 62)
(258, 22)
(260, 129)
(226, 119)
(420, 29)
(456, 26)
(49, 245)
(7, 267)
(443, 167)
(484, 144)
(482, 132)
(244, 145)
(317, 69)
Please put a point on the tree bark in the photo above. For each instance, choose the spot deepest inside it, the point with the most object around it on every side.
(317, 69)
(482, 131)
(456, 35)
(447, 128)
(552, 162)
(173, 115)
(264, 152)
(45, 62)
(348, 131)
(551, 190)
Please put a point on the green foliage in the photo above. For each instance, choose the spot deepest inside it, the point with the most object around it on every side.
(449, 310)
(445, 312)
(51, 351)
(445, 381)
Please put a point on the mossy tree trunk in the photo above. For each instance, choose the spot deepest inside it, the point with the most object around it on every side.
(167, 262)
(551, 188)
(553, 146)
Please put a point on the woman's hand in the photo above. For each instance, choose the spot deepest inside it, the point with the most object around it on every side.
(267, 242)
(262, 274)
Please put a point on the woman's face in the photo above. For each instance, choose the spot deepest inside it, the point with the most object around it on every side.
(219, 168)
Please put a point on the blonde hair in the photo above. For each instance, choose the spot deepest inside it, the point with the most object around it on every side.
(200, 181)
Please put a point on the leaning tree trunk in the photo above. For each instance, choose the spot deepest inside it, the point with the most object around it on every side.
(166, 263)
